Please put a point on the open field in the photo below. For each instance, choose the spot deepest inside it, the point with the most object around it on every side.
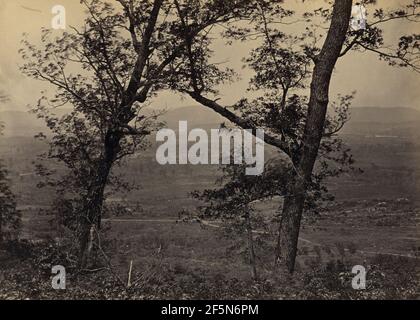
(380, 197)
(376, 215)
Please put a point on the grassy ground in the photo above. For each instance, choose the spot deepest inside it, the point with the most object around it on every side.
(191, 260)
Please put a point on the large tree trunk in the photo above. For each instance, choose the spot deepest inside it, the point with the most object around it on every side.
(289, 226)
(90, 223)
(314, 129)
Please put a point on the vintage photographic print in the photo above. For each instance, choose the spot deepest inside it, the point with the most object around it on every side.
(209, 150)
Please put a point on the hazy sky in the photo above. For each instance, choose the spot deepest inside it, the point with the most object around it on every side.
(376, 83)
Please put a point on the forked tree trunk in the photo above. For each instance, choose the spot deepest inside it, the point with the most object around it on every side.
(90, 223)
(314, 128)
(91, 220)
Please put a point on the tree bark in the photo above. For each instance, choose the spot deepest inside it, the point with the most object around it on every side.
(314, 128)
(92, 217)
(91, 221)
(289, 226)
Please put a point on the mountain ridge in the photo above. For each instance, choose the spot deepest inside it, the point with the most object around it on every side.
(364, 120)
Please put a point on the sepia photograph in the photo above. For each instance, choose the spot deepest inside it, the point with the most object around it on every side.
(227, 151)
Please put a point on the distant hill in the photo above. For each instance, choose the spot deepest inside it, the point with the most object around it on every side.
(398, 121)
(197, 117)
(395, 122)
(21, 124)
(384, 115)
